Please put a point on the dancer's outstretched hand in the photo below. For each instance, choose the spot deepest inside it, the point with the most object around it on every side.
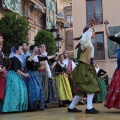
(106, 22)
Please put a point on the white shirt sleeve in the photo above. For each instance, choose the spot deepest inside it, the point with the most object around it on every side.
(86, 37)
(47, 68)
(73, 65)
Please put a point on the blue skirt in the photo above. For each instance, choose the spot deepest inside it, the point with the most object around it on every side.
(52, 94)
(35, 91)
(16, 97)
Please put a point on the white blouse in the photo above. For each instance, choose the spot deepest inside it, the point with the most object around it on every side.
(86, 41)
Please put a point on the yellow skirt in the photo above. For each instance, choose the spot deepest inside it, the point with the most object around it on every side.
(63, 87)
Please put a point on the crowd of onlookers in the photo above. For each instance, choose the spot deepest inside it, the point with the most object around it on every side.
(34, 79)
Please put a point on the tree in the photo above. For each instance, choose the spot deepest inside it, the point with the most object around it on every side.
(14, 29)
(47, 38)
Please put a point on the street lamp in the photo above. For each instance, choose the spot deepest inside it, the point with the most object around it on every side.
(58, 40)
(54, 31)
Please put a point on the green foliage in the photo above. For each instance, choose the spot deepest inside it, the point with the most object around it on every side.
(47, 38)
(14, 29)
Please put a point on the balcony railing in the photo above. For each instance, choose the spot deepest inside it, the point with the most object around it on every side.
(98, 17)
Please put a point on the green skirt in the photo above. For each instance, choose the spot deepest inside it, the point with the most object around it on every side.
(103, 90)
(85, 79)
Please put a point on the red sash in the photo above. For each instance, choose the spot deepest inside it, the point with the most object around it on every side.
(2, 85)
(69, 68)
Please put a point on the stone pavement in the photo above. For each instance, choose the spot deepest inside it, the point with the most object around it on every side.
(53, 112)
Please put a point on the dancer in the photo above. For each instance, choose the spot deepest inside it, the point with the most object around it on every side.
(101, 81)
(62, 82)
(70, 65)
(35, 89)
(45, 73)
(2, 74)
(16, 97)
(84, 74)
(113, 96)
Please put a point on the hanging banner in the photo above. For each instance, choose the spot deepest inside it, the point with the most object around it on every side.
(13, 5)
(50, 14)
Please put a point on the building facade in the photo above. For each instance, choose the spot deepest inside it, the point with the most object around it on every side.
(35, 11)
(64, 12)
(83, 12)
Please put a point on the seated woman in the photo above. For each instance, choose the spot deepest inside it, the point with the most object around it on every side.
(16, 97)
(101, 81)
(62, 82)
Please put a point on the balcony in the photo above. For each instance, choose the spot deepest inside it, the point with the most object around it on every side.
(98, 17)
(43, 1)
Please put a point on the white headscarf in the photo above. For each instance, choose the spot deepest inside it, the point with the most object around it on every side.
(44, 54)
(13, 52)
(19, 57)
(97, 69)
(35, 58)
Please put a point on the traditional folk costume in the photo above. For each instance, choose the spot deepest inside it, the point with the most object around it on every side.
(45, 74)
(16, 97)
(84, 74)
(103, 88)
(35, 89)
(52, 89)
(2, 80)
(113, 96)
(62, 83)
(70, 65)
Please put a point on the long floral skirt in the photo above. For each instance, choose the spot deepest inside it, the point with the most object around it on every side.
(16, 97)
(52, 94)
(63, 87)
(35, 91)
(44, 81)
(113, 96)
(103, 91)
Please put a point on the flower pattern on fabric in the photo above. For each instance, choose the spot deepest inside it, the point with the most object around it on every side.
(16, 97)
(113, 96)
(35, 91)
(103, 90)
(52, 95)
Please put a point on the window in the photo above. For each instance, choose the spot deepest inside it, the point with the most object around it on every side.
(69, 41)
(94, 10)
(70, 20)
(98, 43)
